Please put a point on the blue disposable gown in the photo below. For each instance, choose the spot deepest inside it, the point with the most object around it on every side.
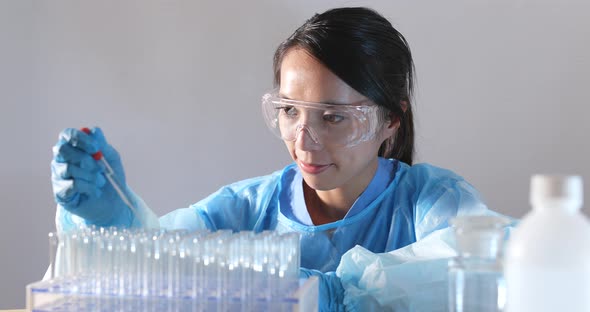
(403, 205)
(417, 201)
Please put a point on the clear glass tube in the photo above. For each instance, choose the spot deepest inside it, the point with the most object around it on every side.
(53, 244)
(476, 282)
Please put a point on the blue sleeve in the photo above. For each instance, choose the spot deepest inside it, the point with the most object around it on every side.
(438, 195)
(331, 292)
(239, 206)
(414, 277)
(144, 217)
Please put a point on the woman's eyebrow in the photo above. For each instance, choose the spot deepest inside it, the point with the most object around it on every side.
(283, 96)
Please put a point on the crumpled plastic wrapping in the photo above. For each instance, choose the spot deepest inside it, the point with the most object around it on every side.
(413, 278)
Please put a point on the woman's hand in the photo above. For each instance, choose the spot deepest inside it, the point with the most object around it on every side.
(79, 182)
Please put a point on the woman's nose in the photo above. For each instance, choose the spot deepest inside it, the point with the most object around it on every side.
(306, 139)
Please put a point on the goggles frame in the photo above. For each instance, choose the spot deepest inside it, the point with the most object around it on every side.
(365, 119)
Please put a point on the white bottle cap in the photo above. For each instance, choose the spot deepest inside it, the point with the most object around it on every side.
(552, 190)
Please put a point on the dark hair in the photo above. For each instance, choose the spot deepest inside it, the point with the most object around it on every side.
(364, 50)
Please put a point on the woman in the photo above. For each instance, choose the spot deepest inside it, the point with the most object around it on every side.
(342, 105)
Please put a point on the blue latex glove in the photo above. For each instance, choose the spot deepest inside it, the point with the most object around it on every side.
(331, 292)
(79, 184)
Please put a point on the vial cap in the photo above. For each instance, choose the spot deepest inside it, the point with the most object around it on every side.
(552, 190)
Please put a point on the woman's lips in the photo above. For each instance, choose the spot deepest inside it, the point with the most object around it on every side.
(312, 168)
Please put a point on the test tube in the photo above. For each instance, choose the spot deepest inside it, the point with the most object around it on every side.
(102, 280)
(153, 268)
(245, 246)
(256, 281)
(135, 256)
(221, 278)
(53, 245)
(173, 269)
(85, 264)
(291, 254)
(273, 265)
(233, 265)
(62, 256)
(183, 268)
(196, 247)
(72, 256)
(146, 266)
(121, 267)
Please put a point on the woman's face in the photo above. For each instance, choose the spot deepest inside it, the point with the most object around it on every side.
(325, 167)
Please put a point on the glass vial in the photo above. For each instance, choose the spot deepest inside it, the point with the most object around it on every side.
(476, 282)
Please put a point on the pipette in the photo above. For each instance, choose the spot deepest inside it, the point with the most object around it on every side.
(109, 174)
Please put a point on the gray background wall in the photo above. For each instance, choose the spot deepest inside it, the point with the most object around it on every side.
(502, 93)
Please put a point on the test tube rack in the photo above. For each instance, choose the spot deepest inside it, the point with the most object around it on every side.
(153, 270)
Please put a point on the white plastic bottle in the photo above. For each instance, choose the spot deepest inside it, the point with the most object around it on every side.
(547, 263)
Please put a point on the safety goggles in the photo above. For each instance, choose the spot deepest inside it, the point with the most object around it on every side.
(342, 125)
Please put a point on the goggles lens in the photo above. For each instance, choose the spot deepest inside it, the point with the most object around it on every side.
(326, 124)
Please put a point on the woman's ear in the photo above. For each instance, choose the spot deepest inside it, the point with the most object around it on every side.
(392, 126)
(394, 122)
(404, 105)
